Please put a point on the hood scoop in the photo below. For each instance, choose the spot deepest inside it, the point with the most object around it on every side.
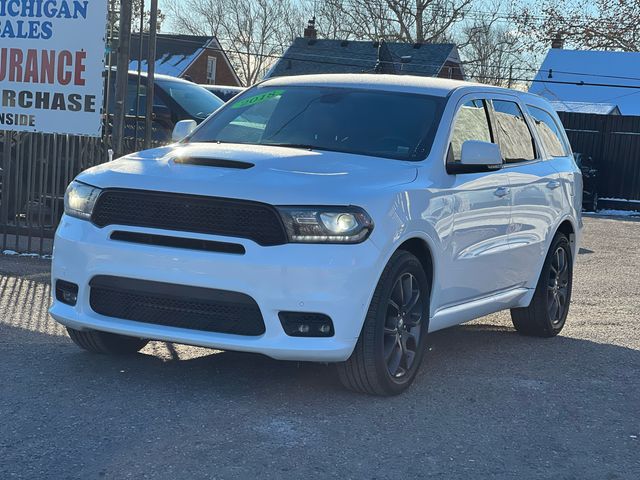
(214, 162)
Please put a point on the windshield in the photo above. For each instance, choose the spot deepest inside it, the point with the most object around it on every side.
(196, 101)
(367, 122)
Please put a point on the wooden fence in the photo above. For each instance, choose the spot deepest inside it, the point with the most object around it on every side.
(613, 141)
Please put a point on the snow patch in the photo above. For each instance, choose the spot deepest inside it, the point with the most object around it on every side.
(33, 255)
(618, 213)
(614, 199)
(174, 65)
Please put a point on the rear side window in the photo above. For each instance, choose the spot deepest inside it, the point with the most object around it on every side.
(516, 142)
(472, 123)
(549, 132)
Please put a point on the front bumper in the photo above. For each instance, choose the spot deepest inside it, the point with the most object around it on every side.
(336, 280)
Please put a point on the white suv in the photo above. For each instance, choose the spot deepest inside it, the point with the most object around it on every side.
(329, 218)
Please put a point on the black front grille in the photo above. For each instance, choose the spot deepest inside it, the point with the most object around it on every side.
(190, 213)
(171, 305)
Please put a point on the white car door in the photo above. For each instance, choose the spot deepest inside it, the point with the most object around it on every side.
(536, 198)
(478, 246)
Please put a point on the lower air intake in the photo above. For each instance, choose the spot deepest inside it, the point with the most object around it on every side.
(180, 306)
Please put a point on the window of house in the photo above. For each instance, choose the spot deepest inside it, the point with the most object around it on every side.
(211, 69)
(549, 132)
(516, 142)
(471, 123)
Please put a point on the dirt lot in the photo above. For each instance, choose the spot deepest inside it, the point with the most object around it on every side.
(488, 403)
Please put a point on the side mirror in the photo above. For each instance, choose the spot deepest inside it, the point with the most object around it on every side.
(182, 129)
(477, 156)
(484, 154)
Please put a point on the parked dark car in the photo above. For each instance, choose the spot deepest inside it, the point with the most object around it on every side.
(224, 92)
(174, 99)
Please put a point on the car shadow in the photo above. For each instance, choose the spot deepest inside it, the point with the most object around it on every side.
(492, 352)
(486, 348)
(482, 389)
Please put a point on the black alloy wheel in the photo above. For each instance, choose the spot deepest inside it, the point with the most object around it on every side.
(547, 313)
(392, 342)
(558, 286)
(403, 325)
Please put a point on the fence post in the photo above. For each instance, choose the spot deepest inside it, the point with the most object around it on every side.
(151, 70)
(124, 40)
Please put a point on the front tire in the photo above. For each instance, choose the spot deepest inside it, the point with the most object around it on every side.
(391, 345)
(547, 313)
(103, 342)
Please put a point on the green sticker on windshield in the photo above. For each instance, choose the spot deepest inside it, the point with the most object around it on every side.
(263, 97)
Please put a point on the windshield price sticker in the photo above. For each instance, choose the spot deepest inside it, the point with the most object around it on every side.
(246, 102)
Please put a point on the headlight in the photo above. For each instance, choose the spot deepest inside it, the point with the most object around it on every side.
(79, 200)
(326, 224)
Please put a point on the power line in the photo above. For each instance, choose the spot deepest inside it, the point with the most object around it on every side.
(317, 58)
(359, 65)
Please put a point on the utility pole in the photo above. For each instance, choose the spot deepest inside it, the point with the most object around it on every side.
(151, 70)
(122, 69)
(510, 76)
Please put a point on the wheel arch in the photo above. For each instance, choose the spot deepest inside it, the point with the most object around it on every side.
(422, 250)
(567, 227)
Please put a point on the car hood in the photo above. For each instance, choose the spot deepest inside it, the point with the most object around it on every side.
(269, 174)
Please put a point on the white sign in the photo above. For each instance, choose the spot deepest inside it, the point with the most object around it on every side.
(51, 65)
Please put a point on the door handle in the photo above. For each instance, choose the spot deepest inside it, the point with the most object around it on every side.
(501, 191)
(553, 184)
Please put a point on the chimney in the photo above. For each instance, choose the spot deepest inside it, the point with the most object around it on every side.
(311, 32)
(557, 42)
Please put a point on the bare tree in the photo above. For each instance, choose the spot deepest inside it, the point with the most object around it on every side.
(413, 21)
(114, 16)
(256, 32)
(253, 32)
(491, 48)
(587, 24)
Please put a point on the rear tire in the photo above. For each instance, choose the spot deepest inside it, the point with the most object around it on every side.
(103, 342)
(391, 345)
(547, 313)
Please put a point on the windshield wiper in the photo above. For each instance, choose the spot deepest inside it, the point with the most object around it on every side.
(212, 141)
(295, 145)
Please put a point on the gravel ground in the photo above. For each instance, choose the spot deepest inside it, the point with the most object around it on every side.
(487, 403)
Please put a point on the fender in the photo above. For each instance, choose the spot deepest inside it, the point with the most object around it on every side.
(574, 242)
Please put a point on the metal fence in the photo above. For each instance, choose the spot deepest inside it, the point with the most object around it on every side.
(614, 143)
(35, 170)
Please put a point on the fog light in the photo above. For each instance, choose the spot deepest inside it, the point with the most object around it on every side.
(305, 324)
(66, 292)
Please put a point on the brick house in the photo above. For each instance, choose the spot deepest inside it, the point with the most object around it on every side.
(200, 59)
